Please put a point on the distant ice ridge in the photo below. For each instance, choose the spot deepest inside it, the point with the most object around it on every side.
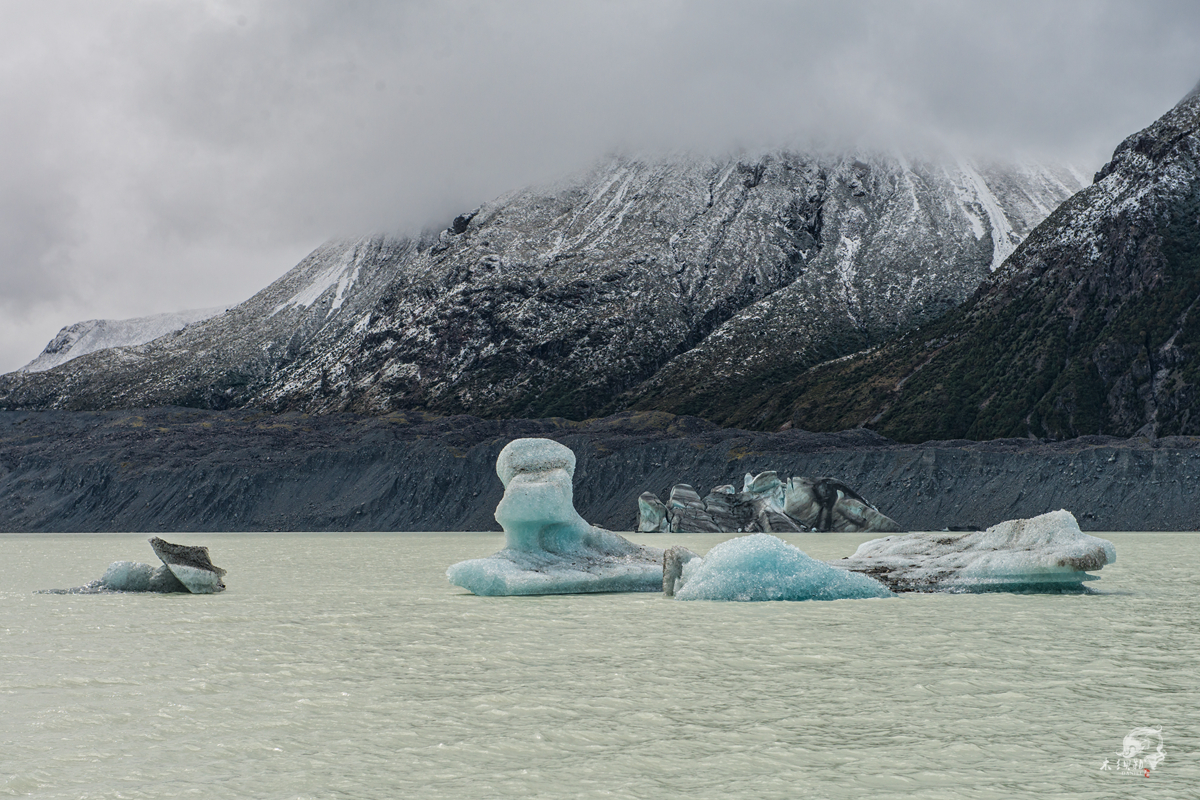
(549, 548)
(91, 335)
(1044, 553)
(764, 567)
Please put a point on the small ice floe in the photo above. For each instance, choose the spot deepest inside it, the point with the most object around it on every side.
(185, 568)
(1047, 553)
(760, 567)
(549, 548)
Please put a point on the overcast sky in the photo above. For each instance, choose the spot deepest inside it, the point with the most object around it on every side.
(162, 155)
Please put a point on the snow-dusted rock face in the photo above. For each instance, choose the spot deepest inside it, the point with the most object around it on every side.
(227, 360)
(672, 284)
(902, 243)
(1090, 327)
(1045, 553)
(91, 335)
(549, 548)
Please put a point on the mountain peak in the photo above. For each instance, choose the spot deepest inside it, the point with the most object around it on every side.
(679, 285)
(1193, 93)
(1089, 328)
(1157, 141)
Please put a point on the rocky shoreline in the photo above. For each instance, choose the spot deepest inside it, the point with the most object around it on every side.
(175, 469)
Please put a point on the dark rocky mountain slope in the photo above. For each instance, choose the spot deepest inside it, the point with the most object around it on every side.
(677, 284)
(1090, 327)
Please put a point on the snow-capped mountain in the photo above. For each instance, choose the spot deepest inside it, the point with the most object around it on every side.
(91, 335)
(1091, 326)
(676, 283)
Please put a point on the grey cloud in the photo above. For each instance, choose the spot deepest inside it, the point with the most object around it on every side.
(147, 142)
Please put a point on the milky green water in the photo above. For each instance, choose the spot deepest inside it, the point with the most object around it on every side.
(344, 665)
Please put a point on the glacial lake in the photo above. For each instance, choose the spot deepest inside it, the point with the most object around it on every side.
(345, 666)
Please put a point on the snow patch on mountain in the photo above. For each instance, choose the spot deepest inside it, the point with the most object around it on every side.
(342, 273)
(1004, 239)
(643, 281)
(91, 335)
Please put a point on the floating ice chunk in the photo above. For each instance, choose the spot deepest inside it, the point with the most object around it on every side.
(128, 576)
(763, 567)
(687, 511)
(549, 548)
(652, 514)
(765, 493)
(197, 581)
(184, 569)
(1045, 553)
(131, 576)
(766, 503)
(190, 565)
(673, 560)
(725, 510)
(825, 504)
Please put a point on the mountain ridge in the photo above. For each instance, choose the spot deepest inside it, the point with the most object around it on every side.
(1088, 328)
(640, 279)
(90, 335)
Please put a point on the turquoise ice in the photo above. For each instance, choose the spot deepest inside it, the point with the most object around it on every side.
(764, 567)
(549, 548)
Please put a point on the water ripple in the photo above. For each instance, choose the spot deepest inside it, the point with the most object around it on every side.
(345, 666)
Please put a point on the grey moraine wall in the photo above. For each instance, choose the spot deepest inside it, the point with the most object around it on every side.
(170, 469)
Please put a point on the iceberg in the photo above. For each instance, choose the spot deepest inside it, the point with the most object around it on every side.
(673, 560)
(184, 569)
(131, 576)
(763, 567)
(726, 510)
(767, 504)
(190, 565)
(828, 505)
(765, 494)
(652, 514)
(549, 547)
(687, 512)
(1047, 553)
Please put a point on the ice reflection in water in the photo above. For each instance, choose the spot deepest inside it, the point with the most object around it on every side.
(345, 665)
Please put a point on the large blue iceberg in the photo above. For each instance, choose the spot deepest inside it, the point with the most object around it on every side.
(549, 548)
(764, 567)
